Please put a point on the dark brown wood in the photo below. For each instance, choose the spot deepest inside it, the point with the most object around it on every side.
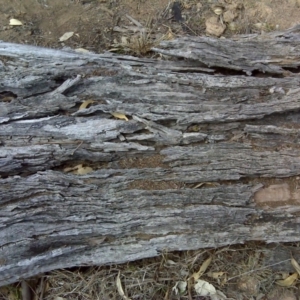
(209, 156)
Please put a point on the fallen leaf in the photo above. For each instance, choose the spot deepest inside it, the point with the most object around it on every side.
(179, 287)
(83, 171)
(85, 104)
(223, 281)
(218, 10)
(289, 281)
(170, 262)
(114, 49)
(79, 170)
(82, 50)
(96, 241)
(203, 288)
(66, 36)
(119, 116)
(15, 22)
(202, 269)
(124, 40)
(295, 265)
(69, 169)
(182, 286)
(120, 288)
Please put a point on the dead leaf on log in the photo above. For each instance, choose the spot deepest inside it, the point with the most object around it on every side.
(119, 116)
(79, 170)
(85, 104)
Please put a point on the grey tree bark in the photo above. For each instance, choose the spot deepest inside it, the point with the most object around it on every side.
(208, 156)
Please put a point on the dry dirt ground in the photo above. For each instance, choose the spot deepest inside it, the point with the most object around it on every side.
(100, 25)
(133, 27)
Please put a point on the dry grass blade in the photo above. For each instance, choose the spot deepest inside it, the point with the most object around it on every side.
(120, 288)
(137, 23)
(26, 290)
(154, 278)
(295, 265)
(41, 289)
(140, 43)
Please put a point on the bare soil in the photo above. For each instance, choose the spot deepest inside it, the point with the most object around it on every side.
(99, 25)
(133, 27)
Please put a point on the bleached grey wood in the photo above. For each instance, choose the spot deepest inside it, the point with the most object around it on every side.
(270, 53)
(183, 171)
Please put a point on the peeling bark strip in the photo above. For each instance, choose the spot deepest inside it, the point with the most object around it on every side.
(205, 160)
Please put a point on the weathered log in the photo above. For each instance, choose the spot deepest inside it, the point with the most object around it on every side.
(209, 156)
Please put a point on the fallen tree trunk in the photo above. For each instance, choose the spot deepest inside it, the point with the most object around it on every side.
(208, 157)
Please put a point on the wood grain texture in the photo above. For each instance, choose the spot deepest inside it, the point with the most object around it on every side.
(209, 156)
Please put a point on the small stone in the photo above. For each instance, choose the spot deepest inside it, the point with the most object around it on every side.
(281, 293)
(229, 16)
(249, 286)
(214, 27)
(198, 6)
(232, 26)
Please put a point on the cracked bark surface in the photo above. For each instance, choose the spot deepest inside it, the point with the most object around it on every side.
(209, 156)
